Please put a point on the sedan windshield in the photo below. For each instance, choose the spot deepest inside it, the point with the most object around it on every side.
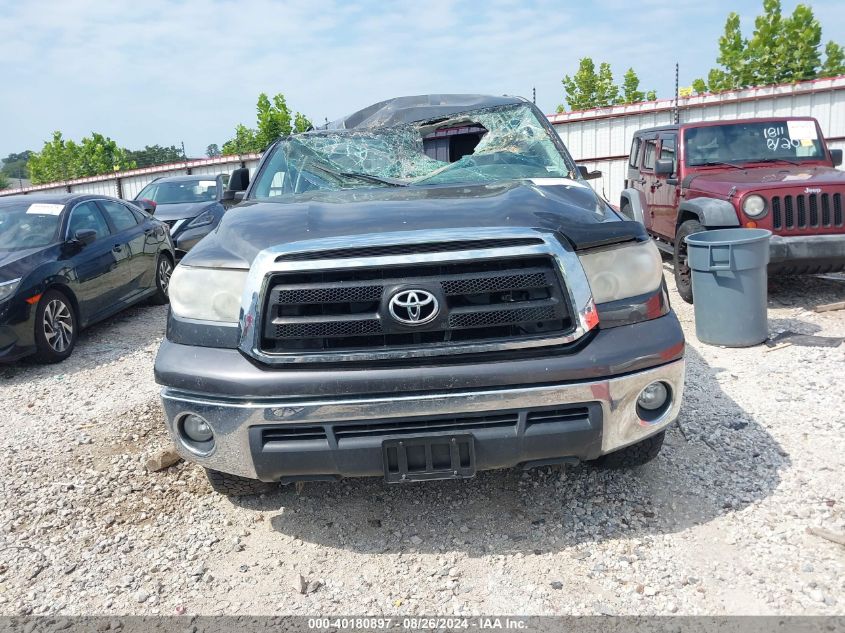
(759, 141)
(28, 225)
(505, 142)
(177, 191)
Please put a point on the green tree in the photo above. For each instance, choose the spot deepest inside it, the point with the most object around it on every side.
(212, 151)
(64, 160)
(630, 87)
(155, 155)
(834, 61)
(4, 181)
(780, 50)
(590, 89)
(273, 120)
(14, 165)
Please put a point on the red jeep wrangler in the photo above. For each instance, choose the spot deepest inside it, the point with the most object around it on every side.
(776, 174)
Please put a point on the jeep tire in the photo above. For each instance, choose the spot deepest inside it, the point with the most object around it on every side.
(634, 455)
(683, 274)
(235, 486)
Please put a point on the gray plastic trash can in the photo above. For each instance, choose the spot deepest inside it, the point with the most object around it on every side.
(729, 285)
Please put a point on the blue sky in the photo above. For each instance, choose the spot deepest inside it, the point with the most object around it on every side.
(167, 71)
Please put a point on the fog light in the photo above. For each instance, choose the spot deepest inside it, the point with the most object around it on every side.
(196, 428)
(654, 396)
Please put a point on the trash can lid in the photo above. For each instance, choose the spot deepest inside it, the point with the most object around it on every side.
(722, 237)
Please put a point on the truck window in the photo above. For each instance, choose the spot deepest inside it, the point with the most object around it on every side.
(635, 152)
(650, 154)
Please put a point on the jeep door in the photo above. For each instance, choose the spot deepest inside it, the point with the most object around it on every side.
(664, 190)
(646, 181)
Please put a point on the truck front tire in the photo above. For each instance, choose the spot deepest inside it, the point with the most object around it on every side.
(683, 274)
(634, 455)
(234, 486)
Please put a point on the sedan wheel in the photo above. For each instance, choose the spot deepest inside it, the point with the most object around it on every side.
(55, 327)
(58, 325)
(165, 270)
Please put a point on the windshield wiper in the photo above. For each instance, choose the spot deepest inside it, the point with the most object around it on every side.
(359, 176)
(776, 160)
(713, 163)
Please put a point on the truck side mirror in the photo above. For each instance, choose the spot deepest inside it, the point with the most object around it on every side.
(588, 175)
(664, 166)
(836, 155)
(239, 180)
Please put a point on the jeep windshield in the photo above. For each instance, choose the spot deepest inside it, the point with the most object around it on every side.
(787, 141)
(500, 143)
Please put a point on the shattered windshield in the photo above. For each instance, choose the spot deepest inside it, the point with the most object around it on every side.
(499, 143)
(760, 141)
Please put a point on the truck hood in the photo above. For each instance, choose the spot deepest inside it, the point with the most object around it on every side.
(764, 178)
(567, 207)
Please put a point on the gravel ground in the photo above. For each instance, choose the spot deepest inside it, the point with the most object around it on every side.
(716, 525)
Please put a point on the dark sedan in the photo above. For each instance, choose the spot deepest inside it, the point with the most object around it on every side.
(69, 260)
(190, 205)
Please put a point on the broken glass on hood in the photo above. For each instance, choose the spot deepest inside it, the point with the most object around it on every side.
(509, 143)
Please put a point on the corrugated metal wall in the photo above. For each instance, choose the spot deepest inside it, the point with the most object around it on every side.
(601, 138)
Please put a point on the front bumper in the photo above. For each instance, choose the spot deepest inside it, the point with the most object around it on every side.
(806, 254)
(17, 331)
(333, 438)
(320, 413)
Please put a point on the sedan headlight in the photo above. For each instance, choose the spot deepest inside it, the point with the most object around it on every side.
(754, 206)
(207, 294)
(203, 219)
(623, 271)
(7, 288)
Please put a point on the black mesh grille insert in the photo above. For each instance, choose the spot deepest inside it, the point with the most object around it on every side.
(480, 300)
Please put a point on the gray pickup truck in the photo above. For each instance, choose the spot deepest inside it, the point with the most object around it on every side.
(421, 290)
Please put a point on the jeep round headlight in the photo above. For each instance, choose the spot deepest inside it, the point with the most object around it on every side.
(623, 271)
(754, 206)
(207, 294)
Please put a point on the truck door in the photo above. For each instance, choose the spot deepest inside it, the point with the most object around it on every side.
(665, 190)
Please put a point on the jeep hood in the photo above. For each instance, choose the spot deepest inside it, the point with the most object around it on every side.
(565, 206)
(763, 178)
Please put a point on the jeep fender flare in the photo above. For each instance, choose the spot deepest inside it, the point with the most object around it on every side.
(709, 211)
(636, 201)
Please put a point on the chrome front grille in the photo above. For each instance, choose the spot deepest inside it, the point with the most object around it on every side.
(343, 310)
(807, 211)
(499, 288)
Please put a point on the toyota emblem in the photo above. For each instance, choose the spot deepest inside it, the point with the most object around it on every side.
(413, 307)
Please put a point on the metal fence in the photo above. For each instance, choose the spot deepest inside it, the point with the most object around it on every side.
(599, 139)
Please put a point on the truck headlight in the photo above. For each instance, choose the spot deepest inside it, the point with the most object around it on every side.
(207, 294)
(623, 271)
(754, 206)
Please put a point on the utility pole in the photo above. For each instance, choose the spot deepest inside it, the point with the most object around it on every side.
(534, 92)
(184, 155)
(677, 114)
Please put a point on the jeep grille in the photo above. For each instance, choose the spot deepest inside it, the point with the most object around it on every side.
(807, 211)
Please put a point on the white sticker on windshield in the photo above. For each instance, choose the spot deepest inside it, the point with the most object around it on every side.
(44, 208)
(208, 183)
(802, 130)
